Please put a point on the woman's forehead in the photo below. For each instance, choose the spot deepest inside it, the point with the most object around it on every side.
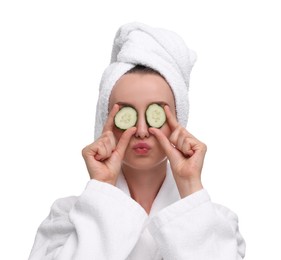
(136, 87)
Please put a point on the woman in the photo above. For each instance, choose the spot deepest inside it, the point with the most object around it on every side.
(145, 199)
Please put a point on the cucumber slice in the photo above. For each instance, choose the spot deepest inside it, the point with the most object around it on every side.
(155, 116)
(125, 118)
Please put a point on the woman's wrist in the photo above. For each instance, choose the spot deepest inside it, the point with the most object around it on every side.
(105, 179)
(187, 187)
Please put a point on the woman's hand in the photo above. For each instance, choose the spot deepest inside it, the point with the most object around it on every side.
(103, 158)
(186, 155)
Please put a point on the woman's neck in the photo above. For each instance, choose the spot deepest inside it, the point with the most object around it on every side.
(144, 184)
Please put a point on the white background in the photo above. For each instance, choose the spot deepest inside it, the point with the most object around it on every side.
(52, 55)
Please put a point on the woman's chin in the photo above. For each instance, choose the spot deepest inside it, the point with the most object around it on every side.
(144, 164)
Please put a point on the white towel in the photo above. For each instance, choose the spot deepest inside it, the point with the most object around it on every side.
(160, 49)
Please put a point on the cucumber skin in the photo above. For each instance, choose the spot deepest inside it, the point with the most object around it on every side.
(123, 129)
(146, 116)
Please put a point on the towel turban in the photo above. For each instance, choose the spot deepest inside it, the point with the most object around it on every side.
(157, 48)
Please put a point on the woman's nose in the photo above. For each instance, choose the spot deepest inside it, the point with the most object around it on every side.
(142, 128)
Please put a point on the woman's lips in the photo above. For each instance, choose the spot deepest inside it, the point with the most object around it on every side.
(141, 148)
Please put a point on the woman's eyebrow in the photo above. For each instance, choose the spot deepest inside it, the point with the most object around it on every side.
(125, 104)
(162, 103)
(153, 102)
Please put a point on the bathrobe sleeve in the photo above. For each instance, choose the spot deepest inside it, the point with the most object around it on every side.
(195, 228)
(102, 223)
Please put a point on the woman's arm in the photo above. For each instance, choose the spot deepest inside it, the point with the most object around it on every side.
(103, 223)
(194, 228)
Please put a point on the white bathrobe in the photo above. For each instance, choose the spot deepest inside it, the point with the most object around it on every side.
(106, 223)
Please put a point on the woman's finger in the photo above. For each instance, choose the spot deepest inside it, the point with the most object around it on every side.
(102, 148)
(171, 119)
(101, 153)
(169, 149)
(124, 141)
(107, 146)
(109, 124)
(186, 147)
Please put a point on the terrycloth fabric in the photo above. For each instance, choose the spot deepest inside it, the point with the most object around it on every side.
(105, 223)
(159, 49)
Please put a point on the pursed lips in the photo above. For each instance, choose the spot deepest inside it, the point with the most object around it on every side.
(141, 148)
